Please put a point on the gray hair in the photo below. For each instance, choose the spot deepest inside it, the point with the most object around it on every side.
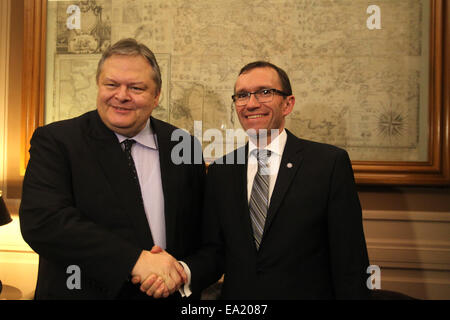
(130, 47)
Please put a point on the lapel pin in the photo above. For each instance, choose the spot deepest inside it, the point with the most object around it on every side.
(289, 165)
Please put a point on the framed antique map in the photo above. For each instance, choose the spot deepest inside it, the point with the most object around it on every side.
(368, 76)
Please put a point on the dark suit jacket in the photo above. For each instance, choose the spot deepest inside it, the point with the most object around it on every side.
(81, 207)
(313, 244)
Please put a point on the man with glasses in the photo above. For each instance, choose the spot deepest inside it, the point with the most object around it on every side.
(287, 223)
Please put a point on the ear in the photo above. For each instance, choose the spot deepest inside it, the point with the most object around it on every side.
(288, 105)
(157, 96)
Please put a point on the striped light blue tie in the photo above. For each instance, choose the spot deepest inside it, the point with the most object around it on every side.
(259, 198)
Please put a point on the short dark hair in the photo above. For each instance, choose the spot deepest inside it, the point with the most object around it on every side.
(284, 79)
(130, 47)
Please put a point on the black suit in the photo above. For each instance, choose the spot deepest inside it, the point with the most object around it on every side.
(80, 206)
(313, 244)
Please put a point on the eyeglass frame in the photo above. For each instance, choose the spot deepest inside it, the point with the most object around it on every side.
(249, 94)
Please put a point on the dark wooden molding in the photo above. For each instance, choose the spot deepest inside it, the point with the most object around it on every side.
(33, 75)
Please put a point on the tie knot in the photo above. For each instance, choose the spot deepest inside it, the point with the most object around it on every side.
(262, 155)
(128, 143)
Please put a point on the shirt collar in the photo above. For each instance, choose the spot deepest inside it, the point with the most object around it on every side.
(145, 137)
(276, 145)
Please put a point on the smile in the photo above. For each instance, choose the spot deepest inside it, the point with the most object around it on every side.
(121, 109)
(256, 116)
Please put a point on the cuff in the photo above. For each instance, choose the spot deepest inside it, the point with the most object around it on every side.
(185, 290)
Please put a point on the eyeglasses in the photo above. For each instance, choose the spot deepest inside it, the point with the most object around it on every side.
(263, 95)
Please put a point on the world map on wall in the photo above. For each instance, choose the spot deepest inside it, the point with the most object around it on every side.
(358, 88)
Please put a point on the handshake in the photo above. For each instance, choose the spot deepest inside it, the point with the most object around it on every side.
(159, 273)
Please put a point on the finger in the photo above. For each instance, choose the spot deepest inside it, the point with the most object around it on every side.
(176, 278)
(166, 292)
(151, 290)
(156, 249)
(154, 288)
(170, 284)
(181, 272)
(160, 292)
(136, 280)
(148, 282)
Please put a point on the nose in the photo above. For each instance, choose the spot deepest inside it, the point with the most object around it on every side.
(122, 93)
(253, 102)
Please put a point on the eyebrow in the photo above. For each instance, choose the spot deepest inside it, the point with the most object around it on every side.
(257, 89)
(130, 84)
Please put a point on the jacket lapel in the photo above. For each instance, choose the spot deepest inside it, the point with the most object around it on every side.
(290, 163)
(106, 148)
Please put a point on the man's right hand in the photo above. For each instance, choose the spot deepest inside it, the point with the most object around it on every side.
(159, 273)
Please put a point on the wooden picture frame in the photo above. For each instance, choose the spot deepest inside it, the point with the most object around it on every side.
(434, 171)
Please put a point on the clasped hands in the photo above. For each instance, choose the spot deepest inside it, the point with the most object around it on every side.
(159, 273)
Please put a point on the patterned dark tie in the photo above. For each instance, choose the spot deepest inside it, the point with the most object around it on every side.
(128, 144)
(259, 198)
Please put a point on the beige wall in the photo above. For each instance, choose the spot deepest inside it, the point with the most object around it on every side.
(408, 235)
(407, 228)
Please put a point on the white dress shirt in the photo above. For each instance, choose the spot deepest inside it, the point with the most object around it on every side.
(276, 147)
(146, 159)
